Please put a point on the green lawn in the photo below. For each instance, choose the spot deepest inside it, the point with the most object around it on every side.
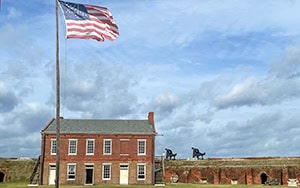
(179, 185)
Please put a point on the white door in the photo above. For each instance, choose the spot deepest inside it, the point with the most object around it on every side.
(124, 174)
(52, 175)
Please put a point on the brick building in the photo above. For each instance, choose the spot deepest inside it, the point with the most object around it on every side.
(99, 151)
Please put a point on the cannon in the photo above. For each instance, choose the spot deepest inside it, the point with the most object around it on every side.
(169, 154)
(272, 181)
(197, 153)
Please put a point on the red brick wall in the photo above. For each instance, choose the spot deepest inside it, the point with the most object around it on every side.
(124, 150)
(131, 148)
(224, 175)
(115, 173)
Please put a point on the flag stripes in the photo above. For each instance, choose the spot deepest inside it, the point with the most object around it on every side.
(89, 22)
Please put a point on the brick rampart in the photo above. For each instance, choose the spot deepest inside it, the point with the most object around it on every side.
(234, 170)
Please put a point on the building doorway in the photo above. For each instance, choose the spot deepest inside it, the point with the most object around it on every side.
(263, 178)
(124, 174)
(89, 175)
(2, 175)
(52, 174)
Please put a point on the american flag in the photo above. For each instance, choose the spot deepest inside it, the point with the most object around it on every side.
(88, 22)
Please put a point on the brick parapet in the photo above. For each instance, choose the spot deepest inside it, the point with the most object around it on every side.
(229, 171)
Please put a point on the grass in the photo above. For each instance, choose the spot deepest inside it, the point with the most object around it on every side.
(23, 184)
(17, 169)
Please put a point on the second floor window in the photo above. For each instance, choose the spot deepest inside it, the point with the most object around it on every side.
(90, 145)
(141, 147)
(72, 146)
(53, 146)
(107, 146)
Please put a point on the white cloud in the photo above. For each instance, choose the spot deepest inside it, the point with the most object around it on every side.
(8, 99)
(255, 91)
(288, 65)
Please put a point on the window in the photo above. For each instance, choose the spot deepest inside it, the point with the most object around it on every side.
(71, 171)
(107, 144)
(141, 168)
(90, 145)
(53, 146)
(141, 147)
(72, 146)
(106, 168)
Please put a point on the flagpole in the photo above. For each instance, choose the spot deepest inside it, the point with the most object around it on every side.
(57, 101)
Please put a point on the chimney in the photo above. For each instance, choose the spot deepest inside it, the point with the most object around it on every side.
(151, 117)
(151, 120)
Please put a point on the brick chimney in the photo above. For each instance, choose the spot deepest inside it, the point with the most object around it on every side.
(151, 120)
(151, 117)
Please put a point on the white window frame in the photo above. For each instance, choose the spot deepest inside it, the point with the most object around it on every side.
(139, 146)
(104, 147)
(69, 148)
(68, 171)
(52, 149)
(139, 172)
(87, 147)
(104, 165)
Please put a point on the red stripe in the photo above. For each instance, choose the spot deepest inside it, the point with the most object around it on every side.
(88, 32)
(84, 27)
(107, 21)
(86, 37)
(99, 13)
(92, 26)
(87, 24)
(95, 7)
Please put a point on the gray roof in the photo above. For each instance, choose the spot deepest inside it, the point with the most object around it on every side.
(87, 126)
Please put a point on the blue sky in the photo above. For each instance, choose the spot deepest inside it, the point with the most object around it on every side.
(222, 77)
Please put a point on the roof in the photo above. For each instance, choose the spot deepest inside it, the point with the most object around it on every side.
(97, 126)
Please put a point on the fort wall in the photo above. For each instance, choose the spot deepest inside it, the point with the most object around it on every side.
(262, 170)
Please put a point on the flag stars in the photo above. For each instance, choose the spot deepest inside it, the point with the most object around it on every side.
(75, 11)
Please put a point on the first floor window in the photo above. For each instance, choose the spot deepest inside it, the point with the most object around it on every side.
(106, 170)
(71, 171)
(53, 146)
(141, 171)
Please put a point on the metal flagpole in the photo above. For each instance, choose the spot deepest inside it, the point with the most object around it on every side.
(57, 101)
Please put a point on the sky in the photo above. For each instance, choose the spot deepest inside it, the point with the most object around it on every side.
(221, 76)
